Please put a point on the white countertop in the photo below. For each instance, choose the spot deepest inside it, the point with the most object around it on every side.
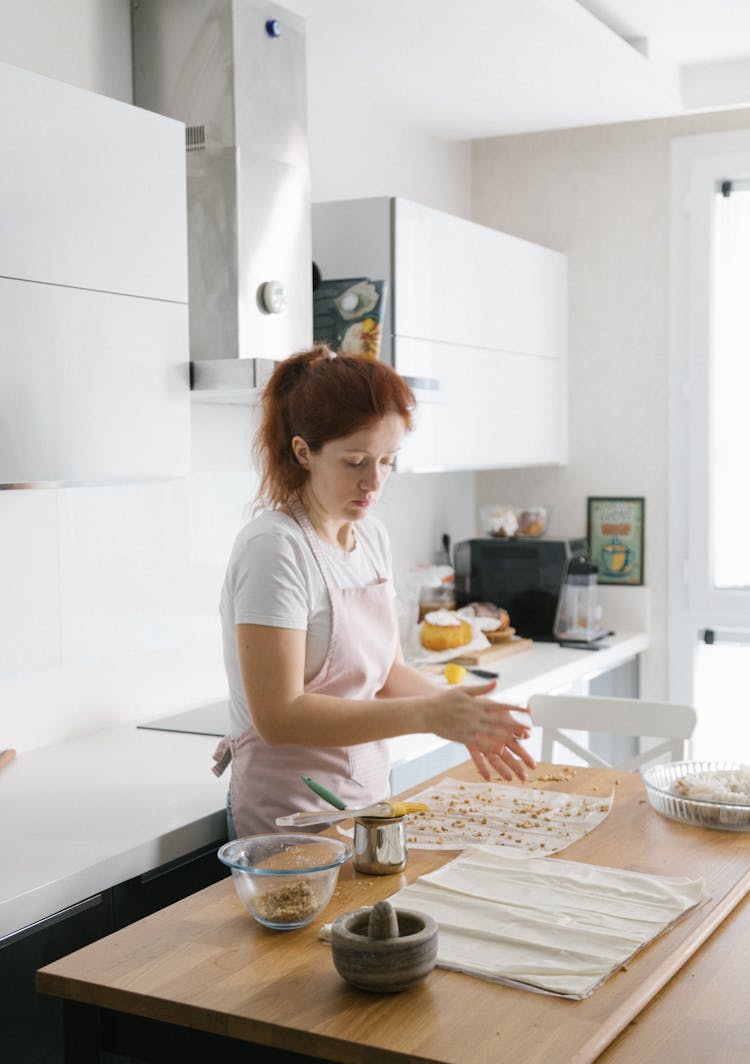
(548, 665)
(542, 669)
(78, 817)
(81, 816)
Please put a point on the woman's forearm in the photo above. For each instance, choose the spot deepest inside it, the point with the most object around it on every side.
(401, 708)
(325, 720)
(403, 680)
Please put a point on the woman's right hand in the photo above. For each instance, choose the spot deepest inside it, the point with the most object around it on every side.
(488, 728)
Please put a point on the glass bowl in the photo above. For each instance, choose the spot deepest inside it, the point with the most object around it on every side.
(285, 881)
(721, 815)
(524, 522)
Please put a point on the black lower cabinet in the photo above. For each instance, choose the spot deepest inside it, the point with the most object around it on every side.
(145, 894)
(148, 1041)
(31, 1023)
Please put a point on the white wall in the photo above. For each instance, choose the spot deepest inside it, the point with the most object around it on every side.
(109, 605)
(376, 154)
(601, 195)
(83, 42)
(360, 149)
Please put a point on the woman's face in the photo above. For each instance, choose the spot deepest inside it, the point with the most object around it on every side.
(347, 475)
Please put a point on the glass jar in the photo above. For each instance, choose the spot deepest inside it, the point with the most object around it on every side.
(441, 596)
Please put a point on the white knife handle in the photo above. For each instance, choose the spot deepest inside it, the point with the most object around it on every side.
(309, 819)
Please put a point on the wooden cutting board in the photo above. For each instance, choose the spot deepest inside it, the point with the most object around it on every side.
(494, 653)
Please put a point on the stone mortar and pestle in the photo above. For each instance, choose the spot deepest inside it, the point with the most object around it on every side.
(383, 949)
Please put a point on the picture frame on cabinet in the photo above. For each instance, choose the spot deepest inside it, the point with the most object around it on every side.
(615, 535)
(348, 315)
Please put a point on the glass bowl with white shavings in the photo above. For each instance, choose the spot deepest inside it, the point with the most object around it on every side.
(285, 880)
(706, 794)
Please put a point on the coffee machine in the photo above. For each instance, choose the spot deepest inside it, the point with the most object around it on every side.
(524, 576)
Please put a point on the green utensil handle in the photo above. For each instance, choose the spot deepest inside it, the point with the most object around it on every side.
(324, 793)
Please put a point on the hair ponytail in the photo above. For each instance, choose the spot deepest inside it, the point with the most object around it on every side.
(320, 397)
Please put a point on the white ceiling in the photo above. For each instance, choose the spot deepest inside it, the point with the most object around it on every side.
(461, 69)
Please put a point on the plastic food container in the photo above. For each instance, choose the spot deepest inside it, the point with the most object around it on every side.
(722, 816)
(285, 880)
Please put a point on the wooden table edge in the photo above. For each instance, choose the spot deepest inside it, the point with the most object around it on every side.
(637, 1002)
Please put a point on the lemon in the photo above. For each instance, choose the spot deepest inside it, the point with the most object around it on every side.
(454, 673)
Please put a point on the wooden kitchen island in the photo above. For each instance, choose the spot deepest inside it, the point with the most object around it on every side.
(200, 980)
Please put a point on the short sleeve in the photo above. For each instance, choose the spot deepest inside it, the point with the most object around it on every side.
(268, 582)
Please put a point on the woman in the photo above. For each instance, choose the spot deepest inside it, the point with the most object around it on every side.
(316, 675)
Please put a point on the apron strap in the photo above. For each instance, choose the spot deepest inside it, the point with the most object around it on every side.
(300, 516)
(369, 552)
(222, 755)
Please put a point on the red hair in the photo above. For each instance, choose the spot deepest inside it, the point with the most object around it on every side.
(320, 396)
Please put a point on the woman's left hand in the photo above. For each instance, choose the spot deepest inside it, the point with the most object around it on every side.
(504, 762)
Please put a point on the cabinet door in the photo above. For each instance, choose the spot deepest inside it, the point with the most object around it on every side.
(463, 283)
(138, 897)
(92, 193)
(492, 409)
(31, 1023)
(95, 386)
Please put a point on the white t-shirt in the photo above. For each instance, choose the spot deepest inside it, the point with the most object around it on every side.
(273, 579)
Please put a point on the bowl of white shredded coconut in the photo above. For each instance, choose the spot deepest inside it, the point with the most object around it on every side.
(709, 794)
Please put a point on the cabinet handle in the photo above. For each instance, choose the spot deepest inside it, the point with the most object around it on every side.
(50, 921)
(729, 636)
(179, 862)
(424, 384)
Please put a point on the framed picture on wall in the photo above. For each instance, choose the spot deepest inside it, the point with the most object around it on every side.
(615, 531)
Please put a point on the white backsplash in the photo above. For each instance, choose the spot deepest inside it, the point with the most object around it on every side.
(30, 630)
(109, 606)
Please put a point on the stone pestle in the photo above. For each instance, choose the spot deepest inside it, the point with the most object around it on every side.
(383, 922)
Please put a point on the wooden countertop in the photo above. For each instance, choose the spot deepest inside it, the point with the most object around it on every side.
(205, 964)
(702, 1013)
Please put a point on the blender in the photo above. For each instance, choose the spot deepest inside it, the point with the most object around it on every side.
(578, 619)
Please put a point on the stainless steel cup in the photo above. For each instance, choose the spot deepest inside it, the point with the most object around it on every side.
(380, 845)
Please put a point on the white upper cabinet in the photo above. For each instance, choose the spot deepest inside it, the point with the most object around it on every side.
(476, 321)
(96, 385)
(490, 409)
(461, 283)
(92, 190)
(93, 288)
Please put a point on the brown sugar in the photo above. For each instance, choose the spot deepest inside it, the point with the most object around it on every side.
(288, 903)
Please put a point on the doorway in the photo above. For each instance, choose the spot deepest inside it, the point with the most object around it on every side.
(709, 464)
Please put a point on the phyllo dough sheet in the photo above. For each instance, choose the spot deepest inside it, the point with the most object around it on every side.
(494, 814)
(560, 927)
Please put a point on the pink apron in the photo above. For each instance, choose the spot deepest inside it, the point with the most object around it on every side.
(266, 780)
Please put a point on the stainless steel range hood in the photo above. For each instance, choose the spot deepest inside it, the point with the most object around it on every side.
(234, 72)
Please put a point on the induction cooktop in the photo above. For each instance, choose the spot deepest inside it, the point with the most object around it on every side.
(211, 719)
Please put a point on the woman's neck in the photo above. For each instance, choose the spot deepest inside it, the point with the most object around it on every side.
(337, 533)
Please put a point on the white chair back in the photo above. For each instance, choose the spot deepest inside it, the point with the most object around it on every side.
(617, 716)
